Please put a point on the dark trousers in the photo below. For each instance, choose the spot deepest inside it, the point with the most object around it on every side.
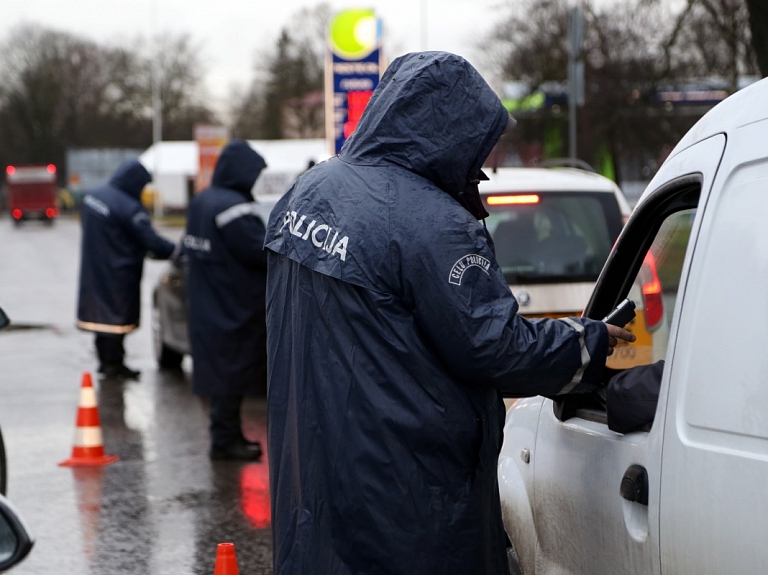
(109, 348)
(225, 420)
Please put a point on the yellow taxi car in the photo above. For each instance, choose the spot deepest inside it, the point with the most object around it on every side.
(552, 229)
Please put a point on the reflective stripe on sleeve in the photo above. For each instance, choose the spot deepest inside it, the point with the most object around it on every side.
(585, 357)
(236, 211)
(96, 205)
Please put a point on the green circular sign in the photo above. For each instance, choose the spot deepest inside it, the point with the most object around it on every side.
(353, 34)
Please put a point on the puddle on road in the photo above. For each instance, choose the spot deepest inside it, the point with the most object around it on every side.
(32, 326)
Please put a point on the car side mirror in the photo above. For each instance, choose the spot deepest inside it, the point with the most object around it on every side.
(15, 540)
(5, 321)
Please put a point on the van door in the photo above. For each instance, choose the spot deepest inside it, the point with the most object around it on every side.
(584, 524)
(714, 512)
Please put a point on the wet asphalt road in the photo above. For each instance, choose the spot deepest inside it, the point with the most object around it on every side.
(164, 506)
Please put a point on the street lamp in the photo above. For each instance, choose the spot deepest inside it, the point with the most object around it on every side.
(423, 22)
(575, 73)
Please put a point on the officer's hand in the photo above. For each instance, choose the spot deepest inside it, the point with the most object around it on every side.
(616, 334)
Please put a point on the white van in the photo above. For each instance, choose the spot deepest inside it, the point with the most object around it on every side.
(687, 495)
(695, 502)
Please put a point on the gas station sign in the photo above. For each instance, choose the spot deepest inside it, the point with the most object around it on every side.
(352, 71)
(210, 140)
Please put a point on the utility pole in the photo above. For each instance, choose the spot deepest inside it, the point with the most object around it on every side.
(157, 112)
(575, 73)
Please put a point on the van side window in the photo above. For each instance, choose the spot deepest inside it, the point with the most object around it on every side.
(654, 292)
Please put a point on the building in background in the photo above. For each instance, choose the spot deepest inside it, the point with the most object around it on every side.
(175, 166)
(90, 167)
(210, 141)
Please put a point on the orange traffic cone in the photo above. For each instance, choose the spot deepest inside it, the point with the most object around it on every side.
(226, 562)
(88, 449)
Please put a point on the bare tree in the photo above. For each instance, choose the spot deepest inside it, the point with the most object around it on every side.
(182, 93)
(61, 91)
(285, 98)
(631, 50)
(758, 25)
(712, 39)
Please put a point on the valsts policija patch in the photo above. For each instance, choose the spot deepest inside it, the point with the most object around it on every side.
(466, 262)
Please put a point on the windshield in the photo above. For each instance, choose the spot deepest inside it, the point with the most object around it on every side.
(552, 237)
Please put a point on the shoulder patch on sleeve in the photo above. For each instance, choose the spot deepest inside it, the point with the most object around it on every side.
(466, 262)
(140, 217)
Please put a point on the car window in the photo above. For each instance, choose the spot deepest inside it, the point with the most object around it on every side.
(647, 268)
(549, 237)
(654, 292)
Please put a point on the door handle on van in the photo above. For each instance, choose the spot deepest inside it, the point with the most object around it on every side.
(634, 485)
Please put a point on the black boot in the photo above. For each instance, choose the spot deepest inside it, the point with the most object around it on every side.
(118, 371)
(242, 450)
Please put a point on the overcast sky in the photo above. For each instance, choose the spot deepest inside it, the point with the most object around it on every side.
(231, 32)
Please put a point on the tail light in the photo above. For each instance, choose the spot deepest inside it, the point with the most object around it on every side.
(512, 199)
(652, 297)
(16, 213)
(10, 170)
(51, 213)
(51, 169)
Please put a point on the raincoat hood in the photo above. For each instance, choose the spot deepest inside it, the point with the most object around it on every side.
(131, 177)
(238, 167)
(398, 124)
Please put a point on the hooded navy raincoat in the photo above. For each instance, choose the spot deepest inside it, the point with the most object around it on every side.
(117, 236)
(227, 274)
(391, 330)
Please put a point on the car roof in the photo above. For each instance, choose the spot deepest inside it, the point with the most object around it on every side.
(550, 180)
(544, 179)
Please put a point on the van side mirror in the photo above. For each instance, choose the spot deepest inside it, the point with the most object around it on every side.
(15, 540)
(5, 321)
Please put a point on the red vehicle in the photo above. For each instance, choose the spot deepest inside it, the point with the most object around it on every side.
(32, 192)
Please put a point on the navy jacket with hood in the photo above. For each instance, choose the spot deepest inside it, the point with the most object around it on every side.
(117, 236)
(227, 274)
(391, 330)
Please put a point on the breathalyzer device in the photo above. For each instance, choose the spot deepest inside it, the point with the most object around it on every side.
(622, 315)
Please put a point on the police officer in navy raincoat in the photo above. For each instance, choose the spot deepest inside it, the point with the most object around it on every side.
(227, 269)
(391, 331)
(117, 235)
